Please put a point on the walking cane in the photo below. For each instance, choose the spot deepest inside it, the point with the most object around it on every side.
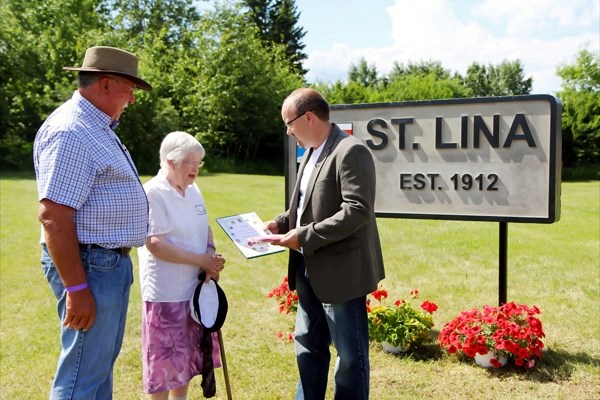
(225, 372)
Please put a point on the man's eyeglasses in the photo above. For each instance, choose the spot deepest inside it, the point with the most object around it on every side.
(289, 123)
(130, 88)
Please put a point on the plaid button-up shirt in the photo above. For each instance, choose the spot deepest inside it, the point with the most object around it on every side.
(81, 163)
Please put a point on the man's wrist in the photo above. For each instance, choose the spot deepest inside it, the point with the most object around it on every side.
(76, 288)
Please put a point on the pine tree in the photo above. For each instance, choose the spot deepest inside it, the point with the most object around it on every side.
(276, 21)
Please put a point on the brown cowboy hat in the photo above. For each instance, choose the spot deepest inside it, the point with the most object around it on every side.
(111, 60)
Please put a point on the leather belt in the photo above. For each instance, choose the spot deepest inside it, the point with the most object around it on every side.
(124, 251)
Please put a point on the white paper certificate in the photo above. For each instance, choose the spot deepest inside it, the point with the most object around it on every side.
(243, 230)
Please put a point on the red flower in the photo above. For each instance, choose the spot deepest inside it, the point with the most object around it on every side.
(511, 330)
(495, 363)
(287, 299)
(518, 362)
(379, 294)
(429, 306)
(288, 303)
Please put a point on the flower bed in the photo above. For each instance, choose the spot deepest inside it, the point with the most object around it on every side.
(400, 325)
(511, 331)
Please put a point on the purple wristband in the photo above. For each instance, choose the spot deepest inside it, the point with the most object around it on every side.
(212, 246)
(76, 288)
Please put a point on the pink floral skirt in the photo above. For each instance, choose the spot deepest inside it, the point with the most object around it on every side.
(171, 354)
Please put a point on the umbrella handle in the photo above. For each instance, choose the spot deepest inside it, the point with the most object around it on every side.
(224, 361)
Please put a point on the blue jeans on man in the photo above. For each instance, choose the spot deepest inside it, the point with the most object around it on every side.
(85, 364)
(317, 325)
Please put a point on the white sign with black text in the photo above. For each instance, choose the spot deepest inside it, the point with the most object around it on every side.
(491, 159)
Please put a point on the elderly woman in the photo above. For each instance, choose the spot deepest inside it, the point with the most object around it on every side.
(178, 247)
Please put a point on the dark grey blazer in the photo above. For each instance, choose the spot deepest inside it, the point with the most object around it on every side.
(338, 230)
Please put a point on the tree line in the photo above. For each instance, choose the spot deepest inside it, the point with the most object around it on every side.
(223, 73)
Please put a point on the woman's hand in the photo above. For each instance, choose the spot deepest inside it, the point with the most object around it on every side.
(213, 266)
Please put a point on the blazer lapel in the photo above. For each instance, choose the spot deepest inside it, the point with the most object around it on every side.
(294, 200)
(327, 149)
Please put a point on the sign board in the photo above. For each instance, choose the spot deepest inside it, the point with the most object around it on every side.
(489, 159)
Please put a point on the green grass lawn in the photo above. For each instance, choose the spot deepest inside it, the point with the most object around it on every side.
(452, 263)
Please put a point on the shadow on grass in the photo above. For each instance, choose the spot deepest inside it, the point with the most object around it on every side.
(427, 352)
(424, 352)
(555, 366)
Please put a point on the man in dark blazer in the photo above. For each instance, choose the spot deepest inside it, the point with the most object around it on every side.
(335, 257)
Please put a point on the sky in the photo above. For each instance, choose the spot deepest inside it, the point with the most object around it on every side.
(542, 34)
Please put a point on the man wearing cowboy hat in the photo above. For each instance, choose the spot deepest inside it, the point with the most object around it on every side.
(93, 210)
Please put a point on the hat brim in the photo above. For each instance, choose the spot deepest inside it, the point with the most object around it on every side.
(140, 83)
(216, 319)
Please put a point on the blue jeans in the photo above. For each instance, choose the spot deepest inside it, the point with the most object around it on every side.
(85, 364)
(317, 325)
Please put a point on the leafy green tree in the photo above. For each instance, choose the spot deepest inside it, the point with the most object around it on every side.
(580, 96)
(38, 38)
(416, 81)
(169, 19)
(505, 79)
(344, 93)
(421, 87)
(477, 80)
(364, 74)
(160, 33)
(233, 101)
(212, 75)
(419, 68)
(508, 79)
(277, 22)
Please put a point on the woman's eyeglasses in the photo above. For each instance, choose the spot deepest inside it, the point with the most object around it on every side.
(195, 164)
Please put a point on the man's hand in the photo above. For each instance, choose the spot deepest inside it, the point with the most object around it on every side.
(63, 246)
(289, 240)
(80, 310)
(272, 226)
